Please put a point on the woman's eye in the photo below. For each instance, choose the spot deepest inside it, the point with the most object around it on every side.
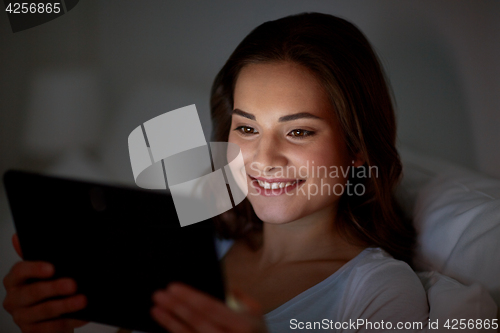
(300, 133)
(246, 130)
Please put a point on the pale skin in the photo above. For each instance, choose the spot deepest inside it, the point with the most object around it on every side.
(300, 246)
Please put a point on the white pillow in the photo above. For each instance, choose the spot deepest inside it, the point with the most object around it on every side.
(457, 216)
(450, 300)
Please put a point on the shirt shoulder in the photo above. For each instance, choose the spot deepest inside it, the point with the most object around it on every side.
(383, 288)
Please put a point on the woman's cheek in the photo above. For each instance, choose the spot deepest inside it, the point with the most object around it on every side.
(247, 153)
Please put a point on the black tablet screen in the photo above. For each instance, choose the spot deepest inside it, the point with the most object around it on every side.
(119, 244)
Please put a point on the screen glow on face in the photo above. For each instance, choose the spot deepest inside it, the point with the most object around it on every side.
(285, 126)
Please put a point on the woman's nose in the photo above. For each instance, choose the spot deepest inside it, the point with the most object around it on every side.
(268, 154)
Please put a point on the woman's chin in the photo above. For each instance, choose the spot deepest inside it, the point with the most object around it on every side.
(275, 215)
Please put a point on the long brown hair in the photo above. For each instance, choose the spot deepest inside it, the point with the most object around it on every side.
(344, 62)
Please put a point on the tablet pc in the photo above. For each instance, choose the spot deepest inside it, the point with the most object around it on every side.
(120, 244)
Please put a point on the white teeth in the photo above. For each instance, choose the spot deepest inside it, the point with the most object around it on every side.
(264, 184)
(274, 186)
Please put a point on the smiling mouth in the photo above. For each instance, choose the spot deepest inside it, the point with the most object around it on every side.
(275, 184)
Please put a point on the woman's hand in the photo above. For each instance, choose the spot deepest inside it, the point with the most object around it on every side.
(29, 302)
(183, 309)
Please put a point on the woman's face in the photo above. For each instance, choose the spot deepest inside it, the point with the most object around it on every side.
(291, 143)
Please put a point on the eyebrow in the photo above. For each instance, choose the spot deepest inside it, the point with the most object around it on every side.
(289, 117)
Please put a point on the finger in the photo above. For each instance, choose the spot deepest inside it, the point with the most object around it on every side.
(17, 246)
(249, 303)
(56, 326)
(36, 292)
(50, 309)
(213, 309)
(169, 321)
(25, 270)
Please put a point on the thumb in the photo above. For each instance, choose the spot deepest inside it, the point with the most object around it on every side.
(243, 302)
(17, 246)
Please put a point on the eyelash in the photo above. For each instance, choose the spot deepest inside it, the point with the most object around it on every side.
(306, 133)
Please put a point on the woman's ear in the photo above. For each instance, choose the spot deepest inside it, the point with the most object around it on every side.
(358, 159)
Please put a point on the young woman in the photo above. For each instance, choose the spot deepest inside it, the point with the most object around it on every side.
(319, 243)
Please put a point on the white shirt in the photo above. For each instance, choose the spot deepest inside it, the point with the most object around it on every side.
(372, 287)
